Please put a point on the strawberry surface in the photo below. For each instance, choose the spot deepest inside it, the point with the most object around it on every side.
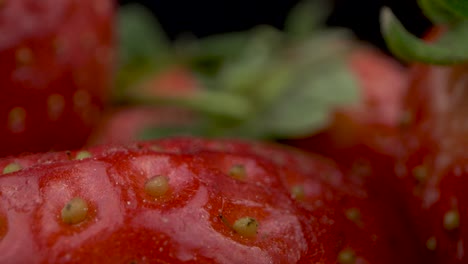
(187, 200)
(56, 60)
(434, 170)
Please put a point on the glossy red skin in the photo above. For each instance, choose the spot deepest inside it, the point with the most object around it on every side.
(60, 48)
(125, 224)
(436, 137)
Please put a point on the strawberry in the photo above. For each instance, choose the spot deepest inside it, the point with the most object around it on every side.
(370, 126)
(434, 168)
(189, 200)
(124, 124)
(56, 60)
(127, 124)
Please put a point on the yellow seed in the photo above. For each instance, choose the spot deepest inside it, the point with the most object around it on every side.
(157, 186)
(238, 172)
(246, 226)
(347, 256)
(17, 119)
(431, 243)
(81, 99)
(55, 106)
(298, 192)
(83, 155)
(24, 56)
(406, 118)
(75, 211)
(420, 173)
(12, 167)
(451, 220)
(353, 214)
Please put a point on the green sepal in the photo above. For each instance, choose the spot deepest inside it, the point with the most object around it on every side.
(262, 83)
(448, 49)
(306, 17)
(306, 107)
(437, 13)
(457, 7)
(143, 46)
(208, 102)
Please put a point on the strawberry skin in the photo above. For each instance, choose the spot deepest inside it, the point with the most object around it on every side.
(56, 60)
(187, 200)
(434, 171)
(123, 125)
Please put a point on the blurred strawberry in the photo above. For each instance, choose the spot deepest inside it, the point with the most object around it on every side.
(433, 168)
(433, 171)
(127, 124)
(56, 61)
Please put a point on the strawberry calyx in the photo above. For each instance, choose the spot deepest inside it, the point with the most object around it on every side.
(261, 83)
(450, 48)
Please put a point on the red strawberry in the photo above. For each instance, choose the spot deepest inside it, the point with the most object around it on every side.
(365, 139)
(373, 122)
(434, 170)
(56, 60)
(189, 201)
(127, 124)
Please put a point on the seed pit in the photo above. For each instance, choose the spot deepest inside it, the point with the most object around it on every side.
(246, 226)
(55, 106)
(431, 243)
(451, 220)
(353, 214)
(12, 167)
(17, 120)
(298, 192)
(238, 172)
(347, 256)
(24, 56)
(75, 211)
(420, 173)
(157, 186)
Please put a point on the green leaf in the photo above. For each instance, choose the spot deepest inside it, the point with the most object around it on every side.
(241, 74)
(448, 49)
(220, 104)
(143, 45)
(306, 106)
(141, 37)
(306, 17)
(458, 7)
(222, 45)
(436, 12)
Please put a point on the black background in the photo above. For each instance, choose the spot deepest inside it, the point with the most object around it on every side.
(202, 17)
